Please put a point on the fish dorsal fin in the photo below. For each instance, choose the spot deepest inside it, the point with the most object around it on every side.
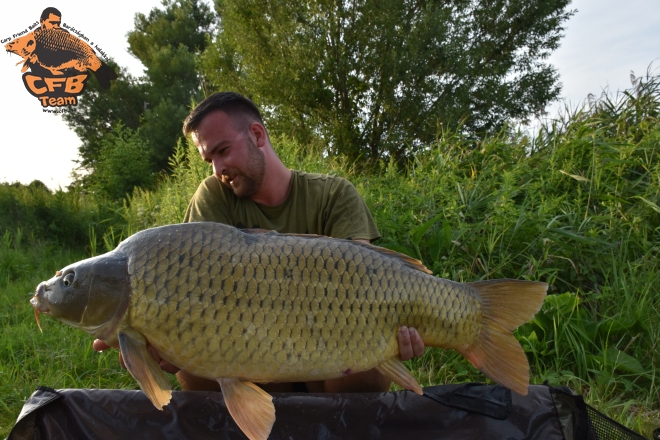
(258, 231)
(409, 261)
(394, 370)
(251, 407)
(269, 231)
(144, 368)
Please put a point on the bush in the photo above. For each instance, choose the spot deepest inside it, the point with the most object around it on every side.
(125, 162)
(61, 217)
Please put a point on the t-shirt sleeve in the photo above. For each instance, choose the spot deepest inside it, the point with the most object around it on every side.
(347, 214)
(208, 204)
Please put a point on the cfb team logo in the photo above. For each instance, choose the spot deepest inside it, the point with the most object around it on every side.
(57, 61)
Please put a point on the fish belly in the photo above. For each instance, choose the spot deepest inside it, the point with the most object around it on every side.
(220, 302)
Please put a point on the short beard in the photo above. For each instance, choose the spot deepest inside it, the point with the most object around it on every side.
(253, 176)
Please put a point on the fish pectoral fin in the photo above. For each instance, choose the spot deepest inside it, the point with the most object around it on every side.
(143, 367)
(251, 407)
(394, 370)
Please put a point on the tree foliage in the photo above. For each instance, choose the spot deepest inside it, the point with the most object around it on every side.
(124, 163)
(368, 79)
(168, 41)
(98, 110)
(376, 78)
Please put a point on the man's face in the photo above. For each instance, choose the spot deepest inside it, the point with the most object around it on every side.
(236, 159)
(52, 22)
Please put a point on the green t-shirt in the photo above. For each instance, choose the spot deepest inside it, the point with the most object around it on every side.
(317, 204)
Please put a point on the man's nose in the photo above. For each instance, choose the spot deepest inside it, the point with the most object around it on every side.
(218, 166)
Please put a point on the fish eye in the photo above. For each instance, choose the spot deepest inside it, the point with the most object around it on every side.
(68, 279)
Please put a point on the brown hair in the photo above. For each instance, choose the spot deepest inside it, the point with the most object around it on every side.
(232, 103)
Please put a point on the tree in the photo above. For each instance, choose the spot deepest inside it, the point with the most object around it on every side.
(99, 110)
(168, 41)
(376, 78)
(124, 163)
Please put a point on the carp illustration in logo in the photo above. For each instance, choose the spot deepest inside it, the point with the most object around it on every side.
(58, 62)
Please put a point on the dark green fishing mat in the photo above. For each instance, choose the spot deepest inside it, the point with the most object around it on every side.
(465, 411)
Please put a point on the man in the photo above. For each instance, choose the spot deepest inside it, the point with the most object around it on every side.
(251, 187)
(51, 18)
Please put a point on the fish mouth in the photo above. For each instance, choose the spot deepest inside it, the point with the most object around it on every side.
(39, 304)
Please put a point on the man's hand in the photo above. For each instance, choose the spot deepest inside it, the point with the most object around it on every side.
(99, 345)
(410, 343)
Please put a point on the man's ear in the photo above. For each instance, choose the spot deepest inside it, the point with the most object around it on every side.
(260, 134)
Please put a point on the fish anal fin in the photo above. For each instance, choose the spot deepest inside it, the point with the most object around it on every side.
(506, 305)
(394, 370)
(251, 407)
(144, 368)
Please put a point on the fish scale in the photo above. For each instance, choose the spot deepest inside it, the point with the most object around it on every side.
(243, 306)
(322, 294)
(57, 40)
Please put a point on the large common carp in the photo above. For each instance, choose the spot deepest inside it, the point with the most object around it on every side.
(57, 50)
(243, 306)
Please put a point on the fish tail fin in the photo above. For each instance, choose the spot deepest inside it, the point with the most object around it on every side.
(104, 74)
(507, 304)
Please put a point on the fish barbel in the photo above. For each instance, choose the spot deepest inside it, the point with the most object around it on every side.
(243, 306)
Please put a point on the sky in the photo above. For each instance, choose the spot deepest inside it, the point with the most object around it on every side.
(604, 41)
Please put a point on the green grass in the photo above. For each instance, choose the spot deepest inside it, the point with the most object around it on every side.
(576, 206)
(60, 357)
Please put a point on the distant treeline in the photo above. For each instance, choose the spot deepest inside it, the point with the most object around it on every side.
(367, 80)
(69, 219)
